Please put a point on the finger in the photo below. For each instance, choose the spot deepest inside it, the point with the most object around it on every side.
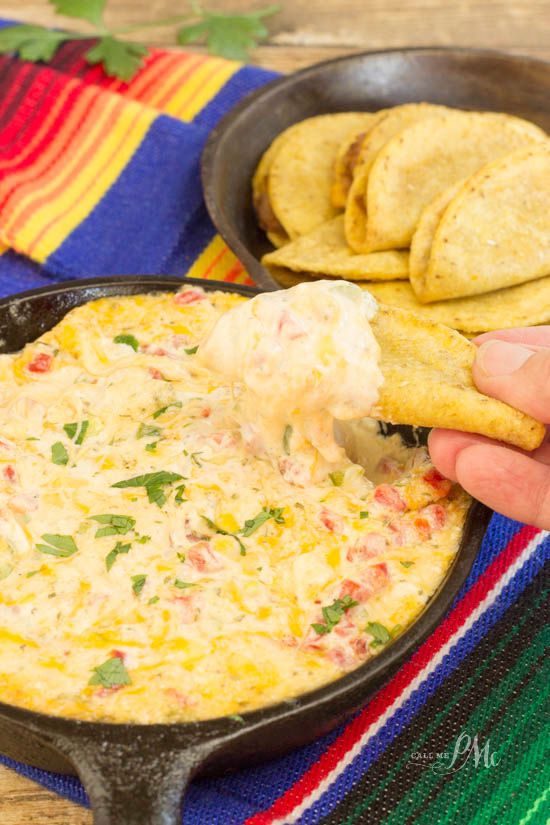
(507, 481)
(515, 374)
(531, 336)
(445, 445)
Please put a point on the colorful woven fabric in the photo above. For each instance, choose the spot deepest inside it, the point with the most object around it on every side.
(102, 177)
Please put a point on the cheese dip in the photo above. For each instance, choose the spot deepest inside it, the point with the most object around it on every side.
(154, 565)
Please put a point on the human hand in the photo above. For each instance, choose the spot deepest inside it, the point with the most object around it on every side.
(514, 366)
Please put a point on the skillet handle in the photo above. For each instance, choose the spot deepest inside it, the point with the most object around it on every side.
(134, 783)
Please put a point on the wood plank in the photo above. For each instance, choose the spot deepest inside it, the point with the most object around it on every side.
(22, 801)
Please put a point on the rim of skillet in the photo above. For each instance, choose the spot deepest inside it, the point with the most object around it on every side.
(211, 152)
(334, 692)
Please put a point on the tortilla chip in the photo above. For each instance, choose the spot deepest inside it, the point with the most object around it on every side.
(260, 198)
(517, 306)
(324, 251)
(393, 122)
(300, 173)
(346, 159)
(422, 240)
(495, 232)
(286, 278)
(427, 371)
(426, 158)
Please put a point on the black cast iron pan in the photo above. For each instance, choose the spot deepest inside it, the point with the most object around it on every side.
(463, 78)
(137, 774)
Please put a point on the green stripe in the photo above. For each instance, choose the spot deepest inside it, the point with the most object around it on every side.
(452, 798)
(535, 807)
(417, 743)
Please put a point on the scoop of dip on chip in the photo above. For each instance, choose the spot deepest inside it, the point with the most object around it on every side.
(300, 358)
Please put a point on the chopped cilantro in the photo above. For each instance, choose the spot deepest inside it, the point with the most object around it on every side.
(183, 585)
(146, 430)
(236, 718)
(213, 526)
(332, 614)
(287, 435)
(57, 545)
(153, 600)
(381, 635)
(152, 447)
(59, 453)
(143, 539)
(337, 477)
(32, 573)
(364, 514)
(178, 498)
(181, 556)
(114, 525)
(406, 563)
(138, 583)
(78, 429)
(130, 340)
(162, 410)
(195, 460)
(117, 550)
(153, 484)
(191, 350)
(111, 673)
(252, 524)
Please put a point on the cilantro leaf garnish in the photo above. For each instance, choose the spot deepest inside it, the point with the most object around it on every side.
(146, 430)
(31, 42)
(117, 550)
(229, 35)
(90, 10)
(59, 453)
(333, 613)
(191, 350)
(153, 600)
(406, 563)
(129, 340)
(162, 410)
(364, 514)
(178, 498)
(58, 545)
(183, 585)
(138, 583)
(252, 524)
(287, 435)
(381, 635)
(120, 59)
(154, 484)
(217, 529)
(111, 674)
(114, 525)
(337, 477)
(78, 429)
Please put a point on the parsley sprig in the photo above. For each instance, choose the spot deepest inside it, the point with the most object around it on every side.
(114, 525)
(111, 674)
(333, 613)
(226, 34)
(252, 524)
(154, 484)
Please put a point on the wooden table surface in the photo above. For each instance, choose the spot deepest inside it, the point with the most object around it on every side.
(303, 32)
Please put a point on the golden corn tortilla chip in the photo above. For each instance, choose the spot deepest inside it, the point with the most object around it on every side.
(426, 158)
(422, 240)
(260, 199)
(495, 232)
(393, 122)
(516, 306)
(324, 251)
(346, 159)
(300, 174)
(427, 371)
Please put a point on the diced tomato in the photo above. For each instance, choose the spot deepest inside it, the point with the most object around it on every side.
(206, 412)
(155, 373)
(203, 558)
(368, 546)
(290, 327)
(436, 515)
(377, 577)
(359, 646)
(9, 473)
(338, 656)
(423, 528)
(157, 351)
(42, 362)
(389, 497)
(388, 465)
(181, 698)
(352, 589)
(103, 692)
(403, 533)
(189, 296)
(440, 484)
(118, 654)
(332, 521)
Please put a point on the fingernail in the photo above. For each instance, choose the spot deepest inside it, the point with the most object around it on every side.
(501, 358)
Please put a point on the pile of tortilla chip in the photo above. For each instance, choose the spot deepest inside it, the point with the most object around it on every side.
(442, 212)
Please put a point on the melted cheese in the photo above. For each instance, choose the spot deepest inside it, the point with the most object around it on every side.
(204, 588)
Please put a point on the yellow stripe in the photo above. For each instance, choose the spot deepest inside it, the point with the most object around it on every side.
(215, 262)
(201, 87)
(90, 183)
(3, 248)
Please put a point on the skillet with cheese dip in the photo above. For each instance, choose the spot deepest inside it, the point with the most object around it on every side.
(167, 554)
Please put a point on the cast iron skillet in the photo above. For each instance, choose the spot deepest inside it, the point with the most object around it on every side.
(136, 774)
(464, 78)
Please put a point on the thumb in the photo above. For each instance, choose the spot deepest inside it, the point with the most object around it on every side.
(516, 374)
